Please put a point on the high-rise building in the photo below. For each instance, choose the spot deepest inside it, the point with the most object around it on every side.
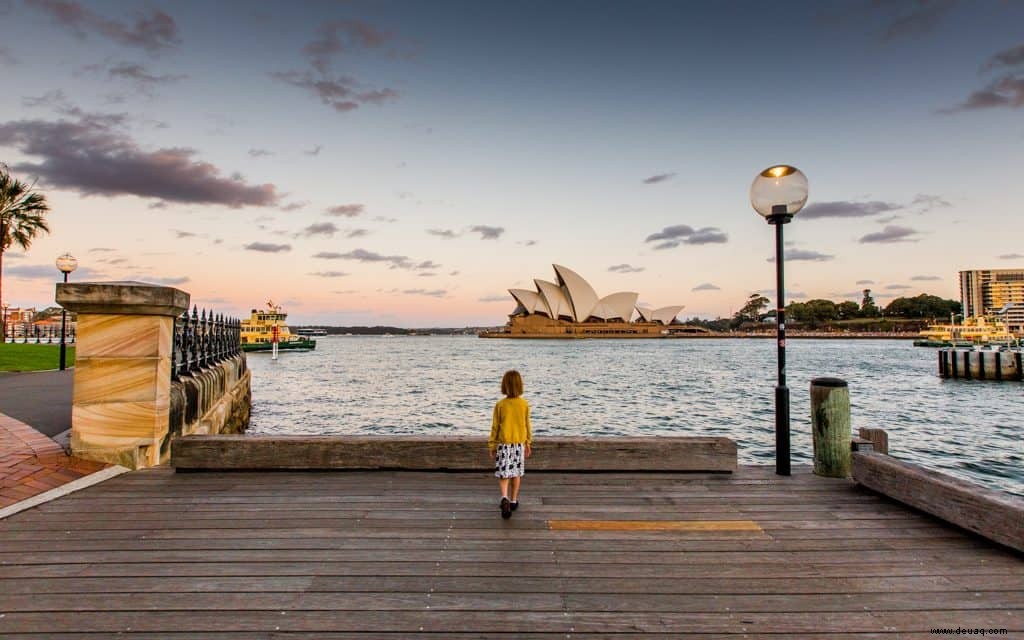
(986, 291)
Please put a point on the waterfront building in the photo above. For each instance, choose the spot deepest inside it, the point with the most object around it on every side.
(1012, 315)
(983, 292)
(570, 307)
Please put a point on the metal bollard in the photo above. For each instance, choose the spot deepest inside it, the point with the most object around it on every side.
(830, 424)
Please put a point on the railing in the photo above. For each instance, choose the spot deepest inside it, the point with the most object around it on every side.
(202, 340)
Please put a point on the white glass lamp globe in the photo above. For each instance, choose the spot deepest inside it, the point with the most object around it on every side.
(779, 190)
(67, 263)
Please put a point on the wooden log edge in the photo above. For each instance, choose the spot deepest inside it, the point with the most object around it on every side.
(993, 514)
(452, 453)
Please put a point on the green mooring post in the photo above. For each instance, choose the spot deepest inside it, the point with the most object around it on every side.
(830, 423)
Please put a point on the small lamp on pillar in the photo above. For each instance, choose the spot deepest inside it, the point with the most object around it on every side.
(66, 264)
(778, 193)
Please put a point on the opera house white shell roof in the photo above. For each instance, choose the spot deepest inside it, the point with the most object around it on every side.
(575, 300)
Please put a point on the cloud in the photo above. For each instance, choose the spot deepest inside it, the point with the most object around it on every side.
(346, 210)
(341, 36)
(927, 202)
(260, 153)
(707, 286)
(293, 206)
(1005, 91)
(100, 250)
(898, 287)
(184, 234)
(49, 272)
(504, 298)
(435, 293)
(847, 209)
(486, 232)
(357, 233)
(320, 229)
(1012, 57)
(865, 282)
(443, 233)
(624, 268)
(329, 274)
(528, 243)
(914, 18)
(926, 278)
(152, 32)
(315, 151)
(1011, 256)
(362, 255)
(661, 177)
(266, 247)
(138, 75)
(805, 255)
(676, 235)
(94, 156)
(890, 234)
(341, 93)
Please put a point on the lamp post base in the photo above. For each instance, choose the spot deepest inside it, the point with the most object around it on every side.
(782, 430)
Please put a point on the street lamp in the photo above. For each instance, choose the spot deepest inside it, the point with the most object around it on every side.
(4, 338)
(778, 193)
(66, 264)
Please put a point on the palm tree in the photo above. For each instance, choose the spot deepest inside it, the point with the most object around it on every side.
(22, 215)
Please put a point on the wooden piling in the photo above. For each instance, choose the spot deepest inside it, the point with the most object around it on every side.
(830, 422)
(878, 437)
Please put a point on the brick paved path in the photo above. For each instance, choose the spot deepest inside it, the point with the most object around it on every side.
(31, 463)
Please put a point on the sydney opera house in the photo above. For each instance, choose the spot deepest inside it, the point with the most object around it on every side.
(570, 308)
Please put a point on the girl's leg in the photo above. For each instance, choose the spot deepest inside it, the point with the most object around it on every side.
(515, 488)
(503, 484)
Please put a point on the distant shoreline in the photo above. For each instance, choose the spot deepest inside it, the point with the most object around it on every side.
(706, 336)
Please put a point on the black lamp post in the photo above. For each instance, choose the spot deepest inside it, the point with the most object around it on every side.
(778, 193)
(3, 339)
(66, 264)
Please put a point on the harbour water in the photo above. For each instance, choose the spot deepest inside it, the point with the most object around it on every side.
(448, 385)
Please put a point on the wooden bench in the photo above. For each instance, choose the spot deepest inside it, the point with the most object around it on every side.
(450, 453)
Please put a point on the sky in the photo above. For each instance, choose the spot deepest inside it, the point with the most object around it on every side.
(406, 163)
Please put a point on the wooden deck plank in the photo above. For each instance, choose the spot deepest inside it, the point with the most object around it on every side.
(376, 555)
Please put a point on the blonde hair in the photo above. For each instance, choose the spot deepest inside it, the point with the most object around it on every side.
(512, 384)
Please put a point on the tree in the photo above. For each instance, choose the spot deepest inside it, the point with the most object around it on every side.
(848, 310)
(922, 306)
(751, 311)
(868, 309)
(22, 215)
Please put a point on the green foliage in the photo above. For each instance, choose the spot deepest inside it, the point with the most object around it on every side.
(868, 308)
(32, 357)
(814, 313)
(22, 215)
(922, 306)
(752, 311)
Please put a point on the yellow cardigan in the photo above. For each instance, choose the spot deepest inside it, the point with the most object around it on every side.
(511, 423)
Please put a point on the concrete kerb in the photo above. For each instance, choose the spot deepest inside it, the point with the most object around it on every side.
(63, 490)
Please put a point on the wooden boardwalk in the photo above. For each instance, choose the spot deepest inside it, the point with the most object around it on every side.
(391, 554)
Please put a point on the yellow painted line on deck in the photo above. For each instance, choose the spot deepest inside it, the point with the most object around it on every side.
(653, 525)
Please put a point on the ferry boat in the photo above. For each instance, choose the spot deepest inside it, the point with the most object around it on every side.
(263, 326)
(311, 331)
(973, 331)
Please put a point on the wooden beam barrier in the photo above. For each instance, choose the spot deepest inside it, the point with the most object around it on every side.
(995, 515)
(452, 453)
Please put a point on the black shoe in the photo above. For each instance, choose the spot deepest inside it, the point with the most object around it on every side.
(514, 505)
(506, 508)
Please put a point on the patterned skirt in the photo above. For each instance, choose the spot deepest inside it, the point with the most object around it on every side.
(510, 461)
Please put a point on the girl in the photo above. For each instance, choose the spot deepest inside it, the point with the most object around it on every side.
(509, 444)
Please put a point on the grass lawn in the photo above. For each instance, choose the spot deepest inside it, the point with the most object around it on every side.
(32, 357)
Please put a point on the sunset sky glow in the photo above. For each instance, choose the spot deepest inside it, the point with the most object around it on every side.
(405, 163)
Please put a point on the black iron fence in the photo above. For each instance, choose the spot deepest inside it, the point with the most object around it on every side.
(202, 340)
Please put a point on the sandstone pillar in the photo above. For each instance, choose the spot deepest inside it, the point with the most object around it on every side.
(122, 369)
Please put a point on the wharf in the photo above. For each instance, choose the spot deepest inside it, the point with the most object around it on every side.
(390, 554)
